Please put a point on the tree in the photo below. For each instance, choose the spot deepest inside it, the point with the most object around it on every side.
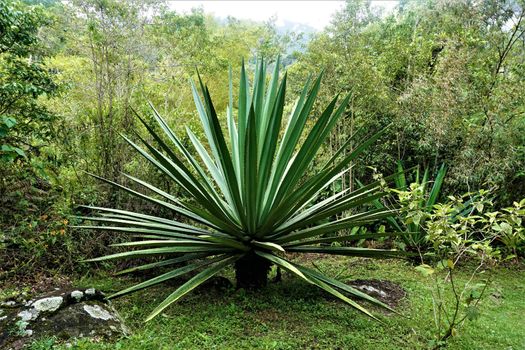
(25, 124)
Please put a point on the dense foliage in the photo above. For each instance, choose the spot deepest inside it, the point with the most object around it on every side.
(448, 76)
(25, 123)
(27, 127)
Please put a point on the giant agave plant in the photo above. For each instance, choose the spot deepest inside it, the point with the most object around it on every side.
(249, 197)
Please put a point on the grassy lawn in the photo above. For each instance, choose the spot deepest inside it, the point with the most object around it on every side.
(294, 315)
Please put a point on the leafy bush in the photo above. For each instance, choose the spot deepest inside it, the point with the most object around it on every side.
(470, 216)
(507, 228)
(248, 199)
(462, 228)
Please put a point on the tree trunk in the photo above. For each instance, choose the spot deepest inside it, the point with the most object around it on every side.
(251, 271)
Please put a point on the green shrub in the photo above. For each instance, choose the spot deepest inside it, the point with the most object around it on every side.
(458, 230)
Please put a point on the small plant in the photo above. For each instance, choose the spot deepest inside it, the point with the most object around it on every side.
(507, 228)
(249, 199)
(460, 230)
(452, 239)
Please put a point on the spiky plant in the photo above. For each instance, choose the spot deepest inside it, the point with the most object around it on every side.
(415, 236)
(249, 196)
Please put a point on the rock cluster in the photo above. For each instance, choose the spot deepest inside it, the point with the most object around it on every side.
(64, 314)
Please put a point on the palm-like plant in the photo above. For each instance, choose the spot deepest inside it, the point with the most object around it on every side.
(250, 199)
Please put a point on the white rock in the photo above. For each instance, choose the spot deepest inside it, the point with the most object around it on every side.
(90, 291)
(372, 290)
(28, 315)
(48, 304)
(96, 311)
(77, 295)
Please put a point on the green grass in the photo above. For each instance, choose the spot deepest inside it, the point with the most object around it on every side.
(294, 315)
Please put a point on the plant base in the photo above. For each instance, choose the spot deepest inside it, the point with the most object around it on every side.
(251, 271)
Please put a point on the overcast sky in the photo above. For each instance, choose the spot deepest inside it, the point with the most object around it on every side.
(315, 14)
